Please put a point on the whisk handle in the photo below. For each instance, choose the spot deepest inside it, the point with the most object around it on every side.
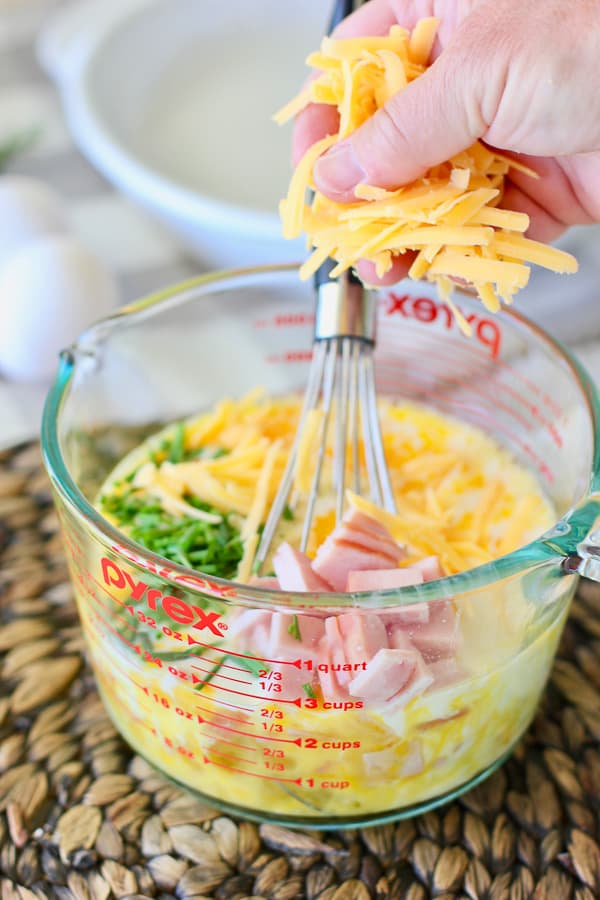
(341, 9)
(322, 274)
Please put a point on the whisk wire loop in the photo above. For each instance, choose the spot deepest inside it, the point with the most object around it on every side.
(341, 384)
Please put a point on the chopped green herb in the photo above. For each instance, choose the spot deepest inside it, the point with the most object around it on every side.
(177, 449)
(212, 548)
(309, 691)
(294, 629)
(256, 667)
(210, 675)
(256, 565)
(288, 513)
(17, 144)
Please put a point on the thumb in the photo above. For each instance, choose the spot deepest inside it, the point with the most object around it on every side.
(436, 116)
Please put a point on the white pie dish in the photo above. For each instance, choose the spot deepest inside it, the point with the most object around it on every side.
(172, 103)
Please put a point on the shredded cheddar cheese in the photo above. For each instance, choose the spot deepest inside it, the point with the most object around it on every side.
(449, 217)
(459, 495)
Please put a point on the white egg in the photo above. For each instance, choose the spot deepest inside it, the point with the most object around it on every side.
(29, 209)
(49, 292)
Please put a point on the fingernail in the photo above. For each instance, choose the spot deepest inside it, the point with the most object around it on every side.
(338, 171)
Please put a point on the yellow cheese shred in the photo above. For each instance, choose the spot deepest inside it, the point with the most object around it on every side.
(449, 216)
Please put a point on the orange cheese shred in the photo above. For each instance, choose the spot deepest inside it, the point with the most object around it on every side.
(449, 217)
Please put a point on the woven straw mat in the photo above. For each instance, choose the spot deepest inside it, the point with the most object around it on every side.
(82, 817)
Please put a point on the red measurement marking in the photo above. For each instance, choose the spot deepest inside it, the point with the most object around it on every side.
(111, 612)
(116, 633)
(257, 737)
(470, 385)
(405, 330)
(217, 675)
(481, 416)
(240, 746)
(103, 588)
(297, 663)
(218, 687)
(208, 761)
(237, 759)
(213, 712)
(233, 706)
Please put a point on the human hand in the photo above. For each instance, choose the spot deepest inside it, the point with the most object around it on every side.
(523, 77)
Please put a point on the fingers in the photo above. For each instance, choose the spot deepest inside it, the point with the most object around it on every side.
(554, 191)
(399, 270)
(433, 118)
(313, 123)
(543, 227)
(318, 120)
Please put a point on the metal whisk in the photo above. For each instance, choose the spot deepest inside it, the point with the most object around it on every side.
(342, 379)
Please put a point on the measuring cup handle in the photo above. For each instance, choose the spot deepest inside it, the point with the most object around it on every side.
(586, 561)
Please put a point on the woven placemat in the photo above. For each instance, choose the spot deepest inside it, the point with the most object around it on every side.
(83, 818)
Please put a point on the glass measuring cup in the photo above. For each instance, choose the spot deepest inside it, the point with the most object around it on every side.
(276, 736)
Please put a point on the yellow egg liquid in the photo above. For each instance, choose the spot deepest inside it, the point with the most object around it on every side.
(262, 735)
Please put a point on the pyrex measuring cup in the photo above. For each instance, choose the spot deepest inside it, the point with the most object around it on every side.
(248, 731)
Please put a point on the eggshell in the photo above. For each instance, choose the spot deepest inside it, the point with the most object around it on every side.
(49, 292)
(29, 209)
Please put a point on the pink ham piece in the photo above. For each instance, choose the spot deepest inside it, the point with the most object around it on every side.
(421, 680)
(363, 634)
(283, 643)
(337, 651)
(358, 543)
(251, 629)
(398, 639)
(438, 638)
(445, 672)
(383, 579)
(330, 686)
(366, 530)
(412, 764)
(386, 675)
(412, 614)
(430, 568)
(294, 571)
(334, 560)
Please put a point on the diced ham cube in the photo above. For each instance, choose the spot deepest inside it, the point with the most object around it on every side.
(266, 581)
(330, 686)
(249, 627)
(344, 533)
(386, 675)
(363, 634)
(411, 614)
(292, 683)
(430, 568)
(418, 684)
(379, 763)
(398, 639)
(292, 636)
(383, 579)
(412, 764)
(294, 571)
(360, 521)
(337, 650)
(334, 561)
(445, 672)
(438, 638)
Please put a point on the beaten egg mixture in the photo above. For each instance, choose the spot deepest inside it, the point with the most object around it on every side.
(196, 695)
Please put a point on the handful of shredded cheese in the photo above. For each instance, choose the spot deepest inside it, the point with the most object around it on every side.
(449, 216)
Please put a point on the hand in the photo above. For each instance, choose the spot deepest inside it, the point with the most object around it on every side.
(522, 76)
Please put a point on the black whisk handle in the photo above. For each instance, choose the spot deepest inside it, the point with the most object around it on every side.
(341, 9)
